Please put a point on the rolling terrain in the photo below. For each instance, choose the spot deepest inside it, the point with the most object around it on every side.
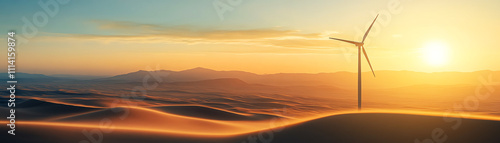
(203, 105)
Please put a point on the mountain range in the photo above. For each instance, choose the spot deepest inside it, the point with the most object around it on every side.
(383, 79)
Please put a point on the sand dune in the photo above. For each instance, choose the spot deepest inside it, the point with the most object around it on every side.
(212, 113)
(390, 127)
(35, 109)
(345, 128)
(151, 119)
(230, 110)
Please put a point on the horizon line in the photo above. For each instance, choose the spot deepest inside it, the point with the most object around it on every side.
(110, 75)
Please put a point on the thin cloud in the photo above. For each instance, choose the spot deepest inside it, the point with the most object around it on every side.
(151, 33)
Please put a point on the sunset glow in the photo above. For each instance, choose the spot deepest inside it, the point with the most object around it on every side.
(243, 41)
(250, 71)
(436, 53)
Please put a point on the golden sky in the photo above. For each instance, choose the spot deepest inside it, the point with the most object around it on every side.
(258, 36)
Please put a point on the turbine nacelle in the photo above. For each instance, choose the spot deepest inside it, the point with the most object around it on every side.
(360, 44)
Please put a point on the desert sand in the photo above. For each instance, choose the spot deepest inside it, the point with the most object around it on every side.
(342, 128)
(189, 108)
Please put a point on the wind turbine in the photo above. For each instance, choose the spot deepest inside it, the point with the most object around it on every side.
(360, 47)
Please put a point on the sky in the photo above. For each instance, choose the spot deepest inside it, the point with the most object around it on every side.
(111, 37)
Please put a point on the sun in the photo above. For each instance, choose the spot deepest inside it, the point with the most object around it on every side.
(436, 53)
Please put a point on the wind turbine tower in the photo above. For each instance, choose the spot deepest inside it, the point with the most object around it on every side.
(360, 47)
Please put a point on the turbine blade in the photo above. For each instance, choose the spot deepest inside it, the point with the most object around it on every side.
(367, 59)
(352, 42)
(368, 31)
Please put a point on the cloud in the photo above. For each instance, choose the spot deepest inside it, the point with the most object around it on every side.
(151, 33)
(192, 32)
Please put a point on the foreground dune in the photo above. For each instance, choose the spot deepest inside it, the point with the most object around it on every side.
(392, 128)
(344, 128)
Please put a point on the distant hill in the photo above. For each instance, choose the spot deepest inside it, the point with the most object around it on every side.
(215, 82)
(195, 74)
(135, 76)
(384, 79)
(79, 77)
(346, 80)
(20, 75)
